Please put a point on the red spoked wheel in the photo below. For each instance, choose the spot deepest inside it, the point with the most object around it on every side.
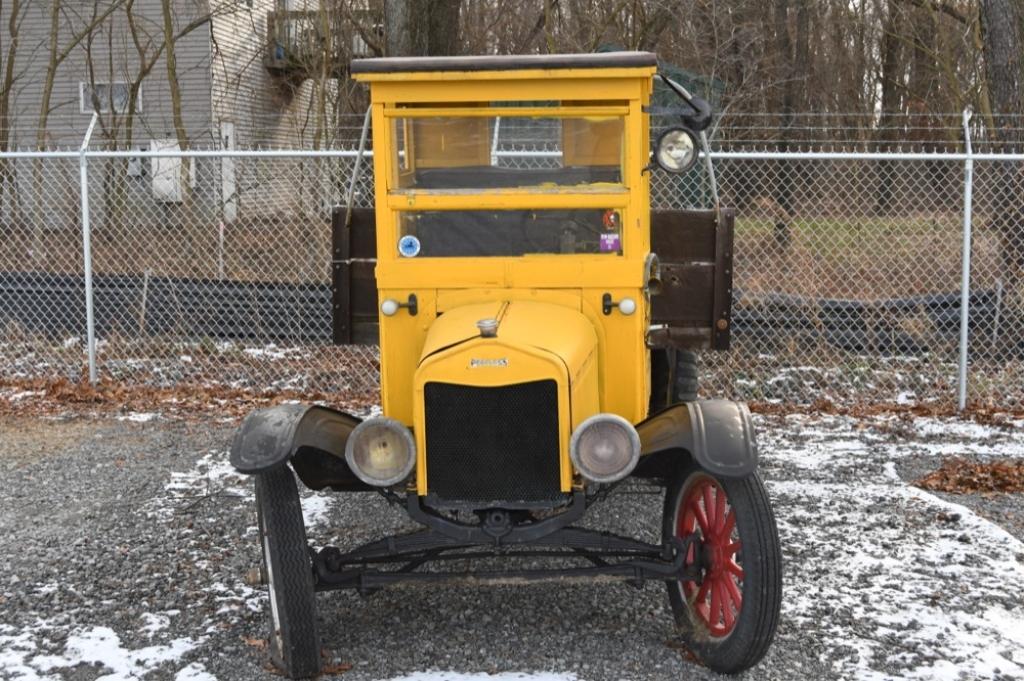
(718, 599)
(728, 615)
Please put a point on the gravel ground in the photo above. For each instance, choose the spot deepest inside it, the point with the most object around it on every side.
(124, 545)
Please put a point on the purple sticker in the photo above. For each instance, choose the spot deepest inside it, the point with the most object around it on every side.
(609, 242)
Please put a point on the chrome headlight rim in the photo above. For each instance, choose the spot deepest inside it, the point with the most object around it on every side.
(634, 439)
(395, 426)
(659, 149)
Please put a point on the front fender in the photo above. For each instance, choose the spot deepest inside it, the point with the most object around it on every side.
(313, 438)
(718, 434)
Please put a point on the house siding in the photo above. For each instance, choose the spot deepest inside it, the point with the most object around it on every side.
(114, 57)
(267, 109)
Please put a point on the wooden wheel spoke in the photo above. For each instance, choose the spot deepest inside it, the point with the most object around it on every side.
(702, 518)
(709, 505)
(716, 603)
(720, 519)
(735, 597)
(702, 594)
(727, 607)
(730, 523)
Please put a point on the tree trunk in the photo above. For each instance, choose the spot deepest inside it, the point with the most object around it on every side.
(7, 175)
(1004, 61)
(891, 86)
(177, 115)
(784, 169)
(420, 28)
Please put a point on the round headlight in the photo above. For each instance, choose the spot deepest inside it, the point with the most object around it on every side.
(676, 150)
(605, 448)
(381, 451)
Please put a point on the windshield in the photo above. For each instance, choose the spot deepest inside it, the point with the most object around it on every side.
(458, 155)
(496, 146)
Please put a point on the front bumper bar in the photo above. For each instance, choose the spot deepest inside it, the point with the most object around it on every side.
(398, 559)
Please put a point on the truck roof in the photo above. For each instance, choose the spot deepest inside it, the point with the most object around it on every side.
(599, 60)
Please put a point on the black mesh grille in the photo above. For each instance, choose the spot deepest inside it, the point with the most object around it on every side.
(492, 444)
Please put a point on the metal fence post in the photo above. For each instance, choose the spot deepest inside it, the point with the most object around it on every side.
(90, 321)
(965, 274)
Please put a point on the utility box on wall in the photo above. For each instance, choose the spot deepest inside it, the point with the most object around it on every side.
(167, 174)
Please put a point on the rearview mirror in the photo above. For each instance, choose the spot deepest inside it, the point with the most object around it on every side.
(701, 118)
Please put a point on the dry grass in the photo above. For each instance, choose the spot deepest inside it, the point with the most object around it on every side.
(861, 259)
(292, 248)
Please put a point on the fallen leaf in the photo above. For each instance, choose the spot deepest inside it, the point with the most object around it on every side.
(960, 476)
(257, 643)
(337, 668)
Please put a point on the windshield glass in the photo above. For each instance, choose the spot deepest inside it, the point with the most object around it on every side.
(500, 146)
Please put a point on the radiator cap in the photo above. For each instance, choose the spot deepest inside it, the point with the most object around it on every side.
(488, 327)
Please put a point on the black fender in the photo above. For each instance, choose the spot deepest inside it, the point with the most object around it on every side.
(718, 434)
(311, 437)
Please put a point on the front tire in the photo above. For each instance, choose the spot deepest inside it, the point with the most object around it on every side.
(729, 619)
(294, 639)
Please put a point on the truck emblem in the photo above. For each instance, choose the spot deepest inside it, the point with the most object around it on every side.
(475, 362)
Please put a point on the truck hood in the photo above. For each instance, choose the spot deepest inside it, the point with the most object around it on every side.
(559, 330)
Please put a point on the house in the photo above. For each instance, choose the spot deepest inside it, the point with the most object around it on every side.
(243, 72)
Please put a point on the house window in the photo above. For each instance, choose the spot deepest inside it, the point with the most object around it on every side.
(107, 97)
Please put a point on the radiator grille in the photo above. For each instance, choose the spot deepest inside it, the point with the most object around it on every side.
(493, 444)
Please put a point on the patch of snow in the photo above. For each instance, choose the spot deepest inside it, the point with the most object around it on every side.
(138, 417)
(947, 428)
(272, 351)
(315, 509)
(14, 652)
(888, 588)
(101, 646)
(154, 623)
(213, 470)
(237, 596)
(22, 394)
(212, 474)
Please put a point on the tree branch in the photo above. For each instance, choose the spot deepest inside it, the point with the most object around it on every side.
(943, 6)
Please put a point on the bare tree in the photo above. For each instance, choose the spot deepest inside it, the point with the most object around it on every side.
(1004, 68)
(9, 74)
(422, 27)
(59, 50)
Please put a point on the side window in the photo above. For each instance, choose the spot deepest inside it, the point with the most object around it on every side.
(107, 97)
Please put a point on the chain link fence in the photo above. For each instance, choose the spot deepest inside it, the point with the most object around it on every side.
(212, 267)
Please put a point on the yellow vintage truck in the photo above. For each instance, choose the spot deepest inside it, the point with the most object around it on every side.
(537, 325)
